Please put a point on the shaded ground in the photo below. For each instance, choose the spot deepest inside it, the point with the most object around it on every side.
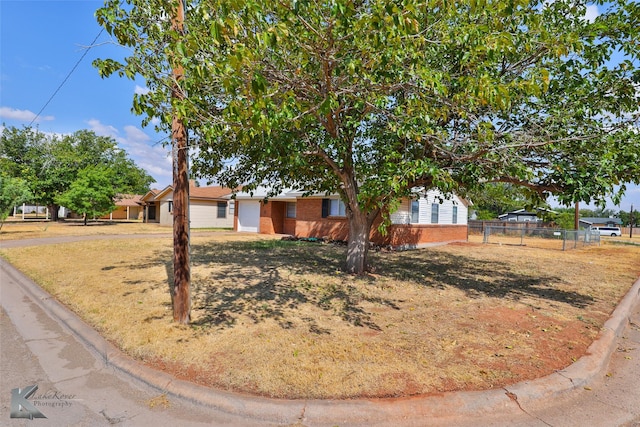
(279, 318)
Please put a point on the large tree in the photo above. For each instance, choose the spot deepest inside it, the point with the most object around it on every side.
(13, 191)
(371, 99)
(50, 164)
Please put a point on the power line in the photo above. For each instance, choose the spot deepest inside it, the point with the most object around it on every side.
(66, 78)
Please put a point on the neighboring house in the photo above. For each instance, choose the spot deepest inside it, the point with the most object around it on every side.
(150, 206)
(416, 223)
(128, 207)
(588, 222)
(522, 215)
(209, 207)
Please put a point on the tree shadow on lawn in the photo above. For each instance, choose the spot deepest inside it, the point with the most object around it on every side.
(270, 279)
(477, 277)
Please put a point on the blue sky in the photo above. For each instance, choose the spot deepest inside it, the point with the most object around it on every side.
(41, 42)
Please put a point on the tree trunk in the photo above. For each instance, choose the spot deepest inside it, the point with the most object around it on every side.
(358, 244)
(53, 211)
(85, 218)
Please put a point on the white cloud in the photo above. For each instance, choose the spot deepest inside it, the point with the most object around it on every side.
(591, 13)
(141, 90)
(133, 133)
(142, 149)
(102, 130)
(23, 115)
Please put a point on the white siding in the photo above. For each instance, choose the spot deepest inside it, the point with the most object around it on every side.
(403, 214)
(162, 212)
(205, 215)
(445, 214)
(202, 214)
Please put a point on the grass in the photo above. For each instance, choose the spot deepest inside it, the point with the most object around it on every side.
(279, 318)
(44, 229)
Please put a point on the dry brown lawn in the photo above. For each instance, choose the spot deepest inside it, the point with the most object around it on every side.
(279, 318)
(43, 229)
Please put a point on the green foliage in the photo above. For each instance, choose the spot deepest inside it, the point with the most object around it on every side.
(49, 164)
(493, 199)
(629, 219)
(564, 220)
(371, 99)
(13, 191)
(92, 194)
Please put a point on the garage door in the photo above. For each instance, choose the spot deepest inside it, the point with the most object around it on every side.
(248, 216)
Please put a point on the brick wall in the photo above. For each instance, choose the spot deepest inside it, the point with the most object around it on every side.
(309, 223)
(272, 217)
(413, 235)
(289, 226)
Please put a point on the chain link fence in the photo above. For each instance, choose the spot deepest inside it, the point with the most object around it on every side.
(551, 238)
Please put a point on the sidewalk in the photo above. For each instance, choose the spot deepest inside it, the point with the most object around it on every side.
(54, 349)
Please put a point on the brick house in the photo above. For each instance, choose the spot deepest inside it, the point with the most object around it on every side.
(426, 221)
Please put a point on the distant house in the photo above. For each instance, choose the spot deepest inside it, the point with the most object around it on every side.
(128, 207)
(150, 206)
(209, 207)
(588, 222)
(428, 220)
(521, 215)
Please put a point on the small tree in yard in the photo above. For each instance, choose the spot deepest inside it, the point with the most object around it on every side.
(91, 194)
(13, 191)
(372, 99)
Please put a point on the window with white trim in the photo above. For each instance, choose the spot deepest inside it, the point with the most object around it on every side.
(435, 212)
(454, 219)
(337, 208)
(415, 211)
(222, 209)
(291, 209)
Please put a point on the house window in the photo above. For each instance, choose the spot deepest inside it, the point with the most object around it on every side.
(415, 211)
(232, 207)
(337, 208)
(454, 220)
(170, 206)
(222, 209)
(435, 210)
(291, 209)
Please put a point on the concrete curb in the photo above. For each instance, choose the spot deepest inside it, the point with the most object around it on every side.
(401, 411)
(531, 394)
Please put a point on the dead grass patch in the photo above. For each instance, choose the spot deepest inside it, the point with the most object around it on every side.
(43, 229)
(280, 319)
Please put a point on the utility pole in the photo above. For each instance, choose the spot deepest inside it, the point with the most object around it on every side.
(576, 217)
(631, 222)
(180, 296)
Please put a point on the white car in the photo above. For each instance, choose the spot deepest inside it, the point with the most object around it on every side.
(608, 231)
